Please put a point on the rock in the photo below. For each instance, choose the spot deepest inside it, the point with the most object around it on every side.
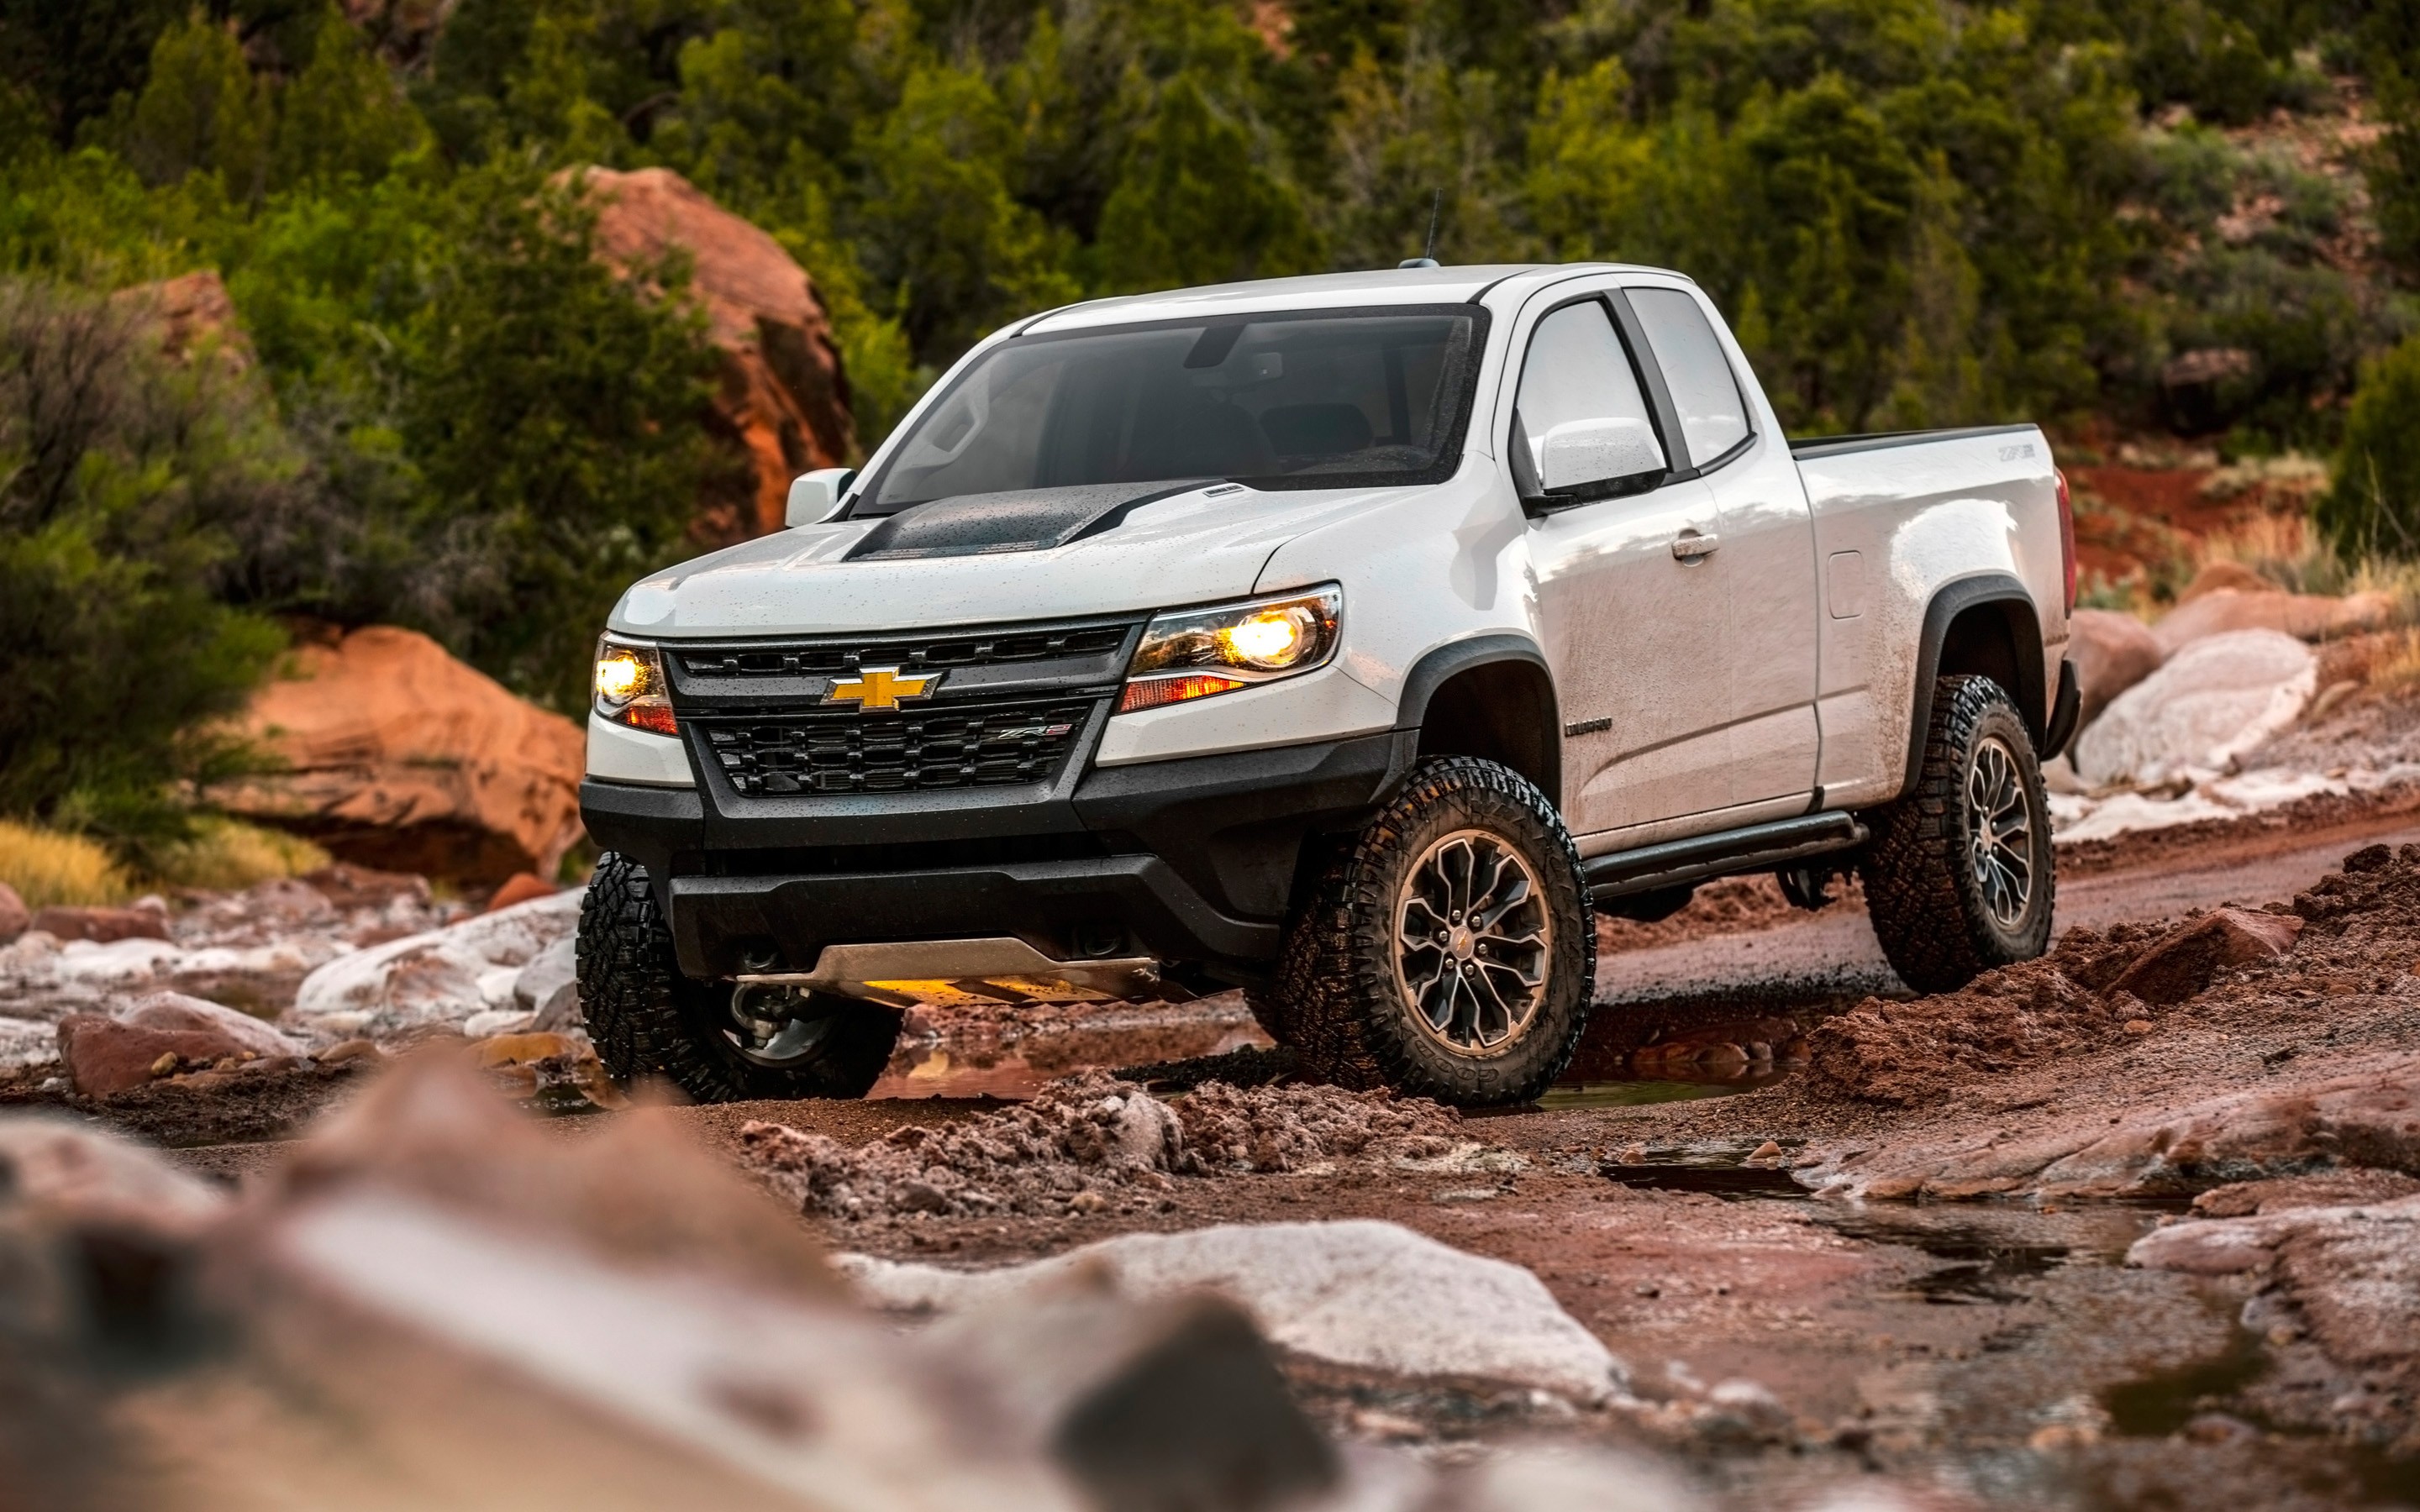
(398, 756)
(2369, 1119)
(520, 888)
(195, 314)
(2112, 653)
(2221, 574)
(549, 987)
(175, 1012)
(1358, 1292)
(2215, 700)
(783, 393)
(103, 926)
(2305, 616)
(353, 888)
(2340, 1282)
(440, 976)
(68, 1170)
(104, 1057)
(14, 918)
(2190, 957)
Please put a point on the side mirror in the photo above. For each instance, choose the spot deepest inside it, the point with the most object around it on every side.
(1581, 452)
(815, 497)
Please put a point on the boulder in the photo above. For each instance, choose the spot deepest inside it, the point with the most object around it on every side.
(103, 1055)
(64, 1170)
(2186, 960)
(195, 315)
(2225, 574)
(443, 976)
(549, 987)
(103, 926)
(2304, 616)
(178, 1012)
(2214, 701)
(782, 393)
(520, 888)
(398, 756)
(15, 919)
(2112, 653)
(1358, 1292)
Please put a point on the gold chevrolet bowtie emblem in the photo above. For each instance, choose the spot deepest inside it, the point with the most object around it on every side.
(880, 687)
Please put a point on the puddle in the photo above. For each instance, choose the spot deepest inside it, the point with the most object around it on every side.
(1625, 1094)
(1991, 1251)
(1732, 1183)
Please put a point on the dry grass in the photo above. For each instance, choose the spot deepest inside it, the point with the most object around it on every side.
(226, 856)
(47, 867)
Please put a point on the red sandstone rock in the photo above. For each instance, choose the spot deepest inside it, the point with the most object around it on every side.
(2305, 616)
(103, 925)
(14, 919)
(103, 1055)
(2112, 653)
(520, 888)
(195, 314)
(782, 392)
(398, 756)
(2191, 956)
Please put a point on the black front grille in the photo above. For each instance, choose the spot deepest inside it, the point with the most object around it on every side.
(983, 649)
(971, 743)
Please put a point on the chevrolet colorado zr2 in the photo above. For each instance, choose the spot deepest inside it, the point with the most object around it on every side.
(1345, 639)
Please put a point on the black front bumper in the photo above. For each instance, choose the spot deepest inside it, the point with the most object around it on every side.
(1191, 860)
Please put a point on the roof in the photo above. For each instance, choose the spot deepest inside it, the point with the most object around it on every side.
(1391, 286)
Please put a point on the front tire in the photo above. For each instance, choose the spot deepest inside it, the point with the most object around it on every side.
(711, 1040)
(1959, 876)
(1446, 950)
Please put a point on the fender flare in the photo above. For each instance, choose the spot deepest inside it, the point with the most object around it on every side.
(1949, 601)
(1440, 665)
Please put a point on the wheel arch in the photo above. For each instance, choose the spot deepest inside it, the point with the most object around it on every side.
(1492, 696)
(1984, 624)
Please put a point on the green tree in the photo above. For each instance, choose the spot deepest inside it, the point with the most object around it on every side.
(345, 113)
(2374, 504)
(1195, 206)
(201, 111)
(116, 467)
(941, 228)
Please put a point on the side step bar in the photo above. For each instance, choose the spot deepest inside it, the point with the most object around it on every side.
(1755, 848)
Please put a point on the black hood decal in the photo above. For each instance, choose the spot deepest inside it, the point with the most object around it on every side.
(1026, 520)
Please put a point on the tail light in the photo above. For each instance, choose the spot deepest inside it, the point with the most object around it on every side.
(2066, 536)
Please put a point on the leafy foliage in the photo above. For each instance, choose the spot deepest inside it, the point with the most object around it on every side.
(2375, 505)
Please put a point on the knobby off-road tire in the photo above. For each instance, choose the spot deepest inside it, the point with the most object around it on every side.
(1949, 862)
(1357, 1003)
(648, 1019)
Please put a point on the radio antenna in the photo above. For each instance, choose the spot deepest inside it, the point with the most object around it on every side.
(1427, 254)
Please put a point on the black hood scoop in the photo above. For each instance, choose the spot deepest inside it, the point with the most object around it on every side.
(1025, 519)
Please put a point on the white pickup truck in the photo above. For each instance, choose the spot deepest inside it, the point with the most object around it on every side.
(1343, 638)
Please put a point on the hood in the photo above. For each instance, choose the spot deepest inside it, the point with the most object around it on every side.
(1152, 551)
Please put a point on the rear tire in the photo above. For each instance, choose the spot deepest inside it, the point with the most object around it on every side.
(1446, 951)
(1959, 875)
(648, 1019)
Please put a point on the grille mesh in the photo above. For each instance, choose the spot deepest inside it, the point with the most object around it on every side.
(953, 745)
(917, 651)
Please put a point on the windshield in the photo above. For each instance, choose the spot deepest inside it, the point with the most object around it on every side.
(1320, 400)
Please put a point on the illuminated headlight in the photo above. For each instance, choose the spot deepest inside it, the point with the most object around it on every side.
(630, 688)
(1196, 653)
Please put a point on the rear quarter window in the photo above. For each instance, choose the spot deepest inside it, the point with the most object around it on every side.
(1714, 412)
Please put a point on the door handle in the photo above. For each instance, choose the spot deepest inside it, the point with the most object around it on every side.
(1689, 546)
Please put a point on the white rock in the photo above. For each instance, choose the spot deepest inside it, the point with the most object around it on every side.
(2216, 699)
(443, 976)
(26, 1043)
(176, 1011)
(496, 1021)
(548, 973)
(1358, 1292)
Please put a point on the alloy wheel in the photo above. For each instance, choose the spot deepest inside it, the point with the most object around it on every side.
(2000, 832)
(1472, 940)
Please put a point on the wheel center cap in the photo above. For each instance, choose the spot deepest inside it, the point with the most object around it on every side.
(1461, 942)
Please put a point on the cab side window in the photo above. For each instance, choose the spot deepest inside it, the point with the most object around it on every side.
(1713, 414)
(1582, 427)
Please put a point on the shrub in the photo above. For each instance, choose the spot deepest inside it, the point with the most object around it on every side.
(223, 855)
(116, 464)
(48, 867)
(2374, 506)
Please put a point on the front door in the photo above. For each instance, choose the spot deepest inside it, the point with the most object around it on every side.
(1634, 629)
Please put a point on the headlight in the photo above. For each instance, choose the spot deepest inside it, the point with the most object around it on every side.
(1196, 653)
(630, 686)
